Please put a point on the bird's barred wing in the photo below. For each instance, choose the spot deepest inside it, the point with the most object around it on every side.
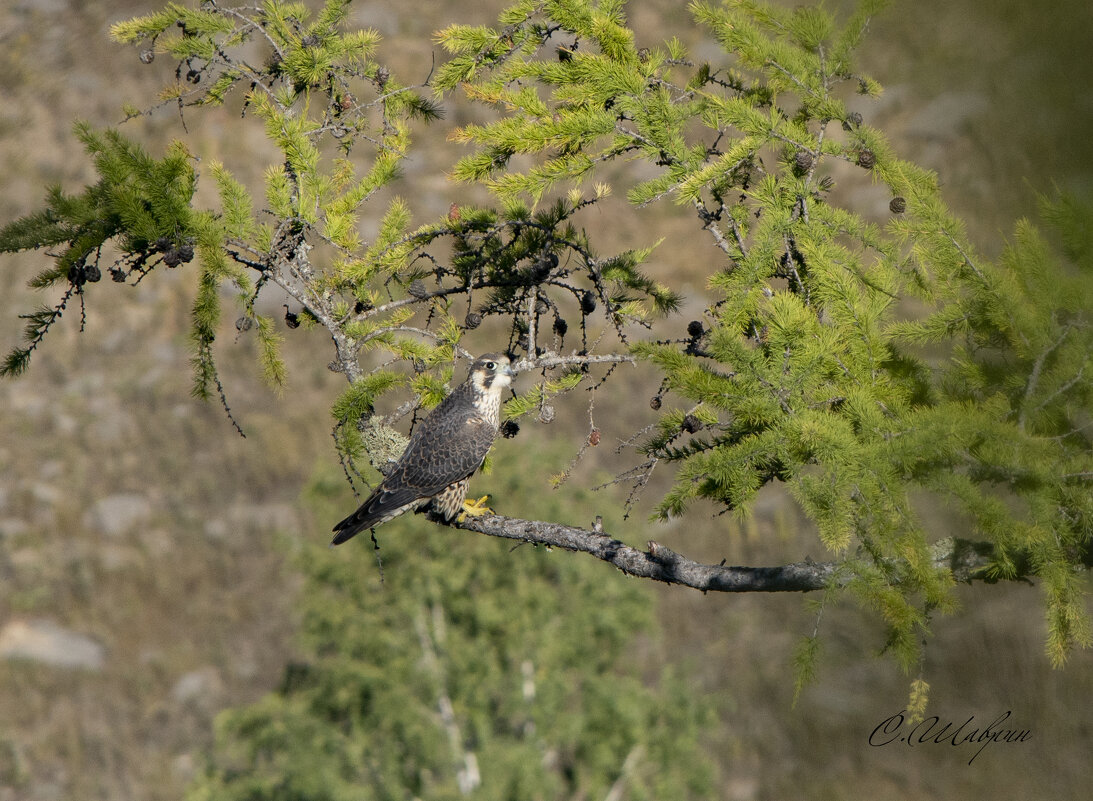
(442, 454)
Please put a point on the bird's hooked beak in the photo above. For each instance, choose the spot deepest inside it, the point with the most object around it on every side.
(505, 373)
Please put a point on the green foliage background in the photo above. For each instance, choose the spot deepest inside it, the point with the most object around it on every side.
(532, 654)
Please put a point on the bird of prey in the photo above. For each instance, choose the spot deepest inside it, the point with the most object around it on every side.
(446, 448)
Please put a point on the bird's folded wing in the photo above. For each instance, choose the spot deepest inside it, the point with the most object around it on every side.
(445, 454)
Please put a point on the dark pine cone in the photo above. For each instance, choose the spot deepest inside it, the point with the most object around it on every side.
(543, 266)
(898, 205)
(292, 320)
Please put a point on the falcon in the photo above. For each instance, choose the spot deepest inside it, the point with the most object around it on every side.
(446, 448)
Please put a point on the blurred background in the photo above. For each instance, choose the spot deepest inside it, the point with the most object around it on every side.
(148, 555)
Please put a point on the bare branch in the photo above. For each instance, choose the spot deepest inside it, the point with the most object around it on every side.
(1034, 379)
(966, 559)
(533, 297)
(658, 563)
(547, 361)
(465, 761)
(628, 766)
(709, 220)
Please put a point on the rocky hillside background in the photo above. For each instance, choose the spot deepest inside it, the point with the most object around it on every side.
(144, 583)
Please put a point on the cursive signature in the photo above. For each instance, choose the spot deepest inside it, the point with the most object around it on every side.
(931, 731)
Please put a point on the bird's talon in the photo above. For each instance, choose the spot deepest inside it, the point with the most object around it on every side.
(476, 508)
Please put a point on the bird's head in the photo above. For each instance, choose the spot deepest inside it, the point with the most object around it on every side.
(491, 373)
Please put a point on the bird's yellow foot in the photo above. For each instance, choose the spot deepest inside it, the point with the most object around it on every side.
(476, 508)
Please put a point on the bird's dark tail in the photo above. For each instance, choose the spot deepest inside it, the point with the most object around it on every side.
(345, 530)
(380, 506)
(357, 522)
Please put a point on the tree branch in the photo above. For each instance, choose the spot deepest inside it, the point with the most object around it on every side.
(966, 559)
(658, 563)
(465, 761)
(550, 359)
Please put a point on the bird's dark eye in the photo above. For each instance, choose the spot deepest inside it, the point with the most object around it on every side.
(491, 366)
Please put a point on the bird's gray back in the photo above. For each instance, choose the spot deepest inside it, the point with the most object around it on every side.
(448, 445)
